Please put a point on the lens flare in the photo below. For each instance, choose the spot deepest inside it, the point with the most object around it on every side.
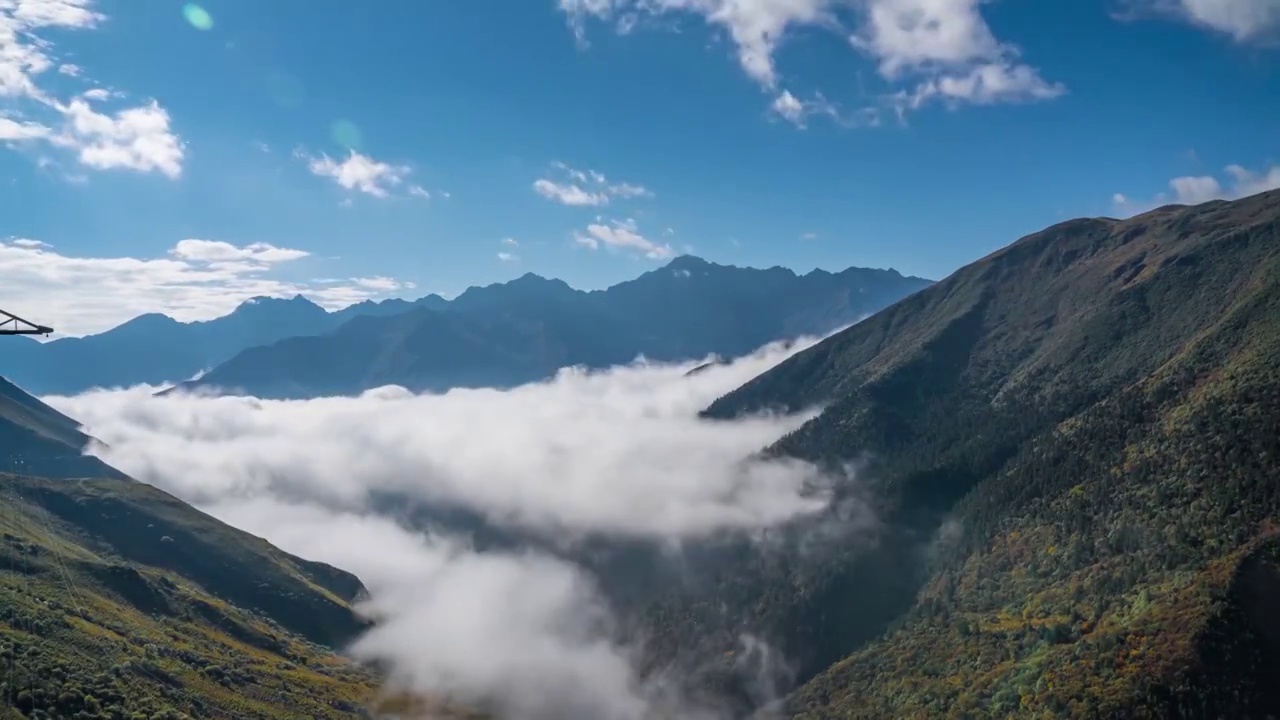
(199, 18)
(346, 134)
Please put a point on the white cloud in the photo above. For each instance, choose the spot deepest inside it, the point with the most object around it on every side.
(1244, 20)
(627, 190)
(219, 251)
(1245, 182)
(620, 453)
(15, 130)
(985, 84)
(23, 54)
(755, 26)
(1193, 190)
(586, 188)
(942, 49)
(419, 191)
(132, 138)
(197, 280)
(135, 138)
(510, 241)
(623, 448)
(508, 257)
(797, 112)
(358, 172)
(381, 284)
(568, 194)
(621, 235)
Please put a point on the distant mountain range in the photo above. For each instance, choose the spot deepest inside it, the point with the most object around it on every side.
(525, 330)
(498, 335)
(156, 349)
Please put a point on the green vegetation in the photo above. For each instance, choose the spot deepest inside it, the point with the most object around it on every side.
(88, 631)
(1073, 442)
(1071, 446)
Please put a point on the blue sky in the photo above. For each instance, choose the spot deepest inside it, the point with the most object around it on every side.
(179, 159)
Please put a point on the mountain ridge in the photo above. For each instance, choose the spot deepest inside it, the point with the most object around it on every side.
(1043, 429)
(155, 349)
(507, 334)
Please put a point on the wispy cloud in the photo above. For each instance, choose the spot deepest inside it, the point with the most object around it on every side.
(585, 187)
(622, 235)
(358, 172)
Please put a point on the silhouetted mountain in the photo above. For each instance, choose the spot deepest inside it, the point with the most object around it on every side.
(1072, 447)
(524, 330)
(156, 349)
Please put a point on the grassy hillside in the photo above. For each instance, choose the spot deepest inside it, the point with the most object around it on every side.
(1074, 449)
(101, 615)
(42, 440)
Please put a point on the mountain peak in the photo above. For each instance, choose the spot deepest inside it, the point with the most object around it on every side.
(530, 278)
(688, 262)
(264, 301)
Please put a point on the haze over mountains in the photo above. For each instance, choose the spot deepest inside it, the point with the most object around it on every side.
(500, 335)
(1042, 486)
(155, 349)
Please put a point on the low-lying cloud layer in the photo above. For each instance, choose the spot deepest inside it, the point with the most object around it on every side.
(619, 453)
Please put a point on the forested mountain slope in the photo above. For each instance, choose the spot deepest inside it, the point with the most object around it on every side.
(118, 599)
(1074, 443)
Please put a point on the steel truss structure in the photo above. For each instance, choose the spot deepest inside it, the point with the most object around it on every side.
(11, 324)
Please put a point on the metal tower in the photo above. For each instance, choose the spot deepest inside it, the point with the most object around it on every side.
(11, 324)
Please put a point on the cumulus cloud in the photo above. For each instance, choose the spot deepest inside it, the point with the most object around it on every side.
(137, 138)
(196, 280)
(1239, 182)
(618, 453)
(622, 235)
(929, 50)
(585, 187)
(508, 257)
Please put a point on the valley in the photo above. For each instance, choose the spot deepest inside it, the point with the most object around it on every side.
(1040, 487)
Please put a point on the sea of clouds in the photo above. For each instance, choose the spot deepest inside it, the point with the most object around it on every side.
(614, 453)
